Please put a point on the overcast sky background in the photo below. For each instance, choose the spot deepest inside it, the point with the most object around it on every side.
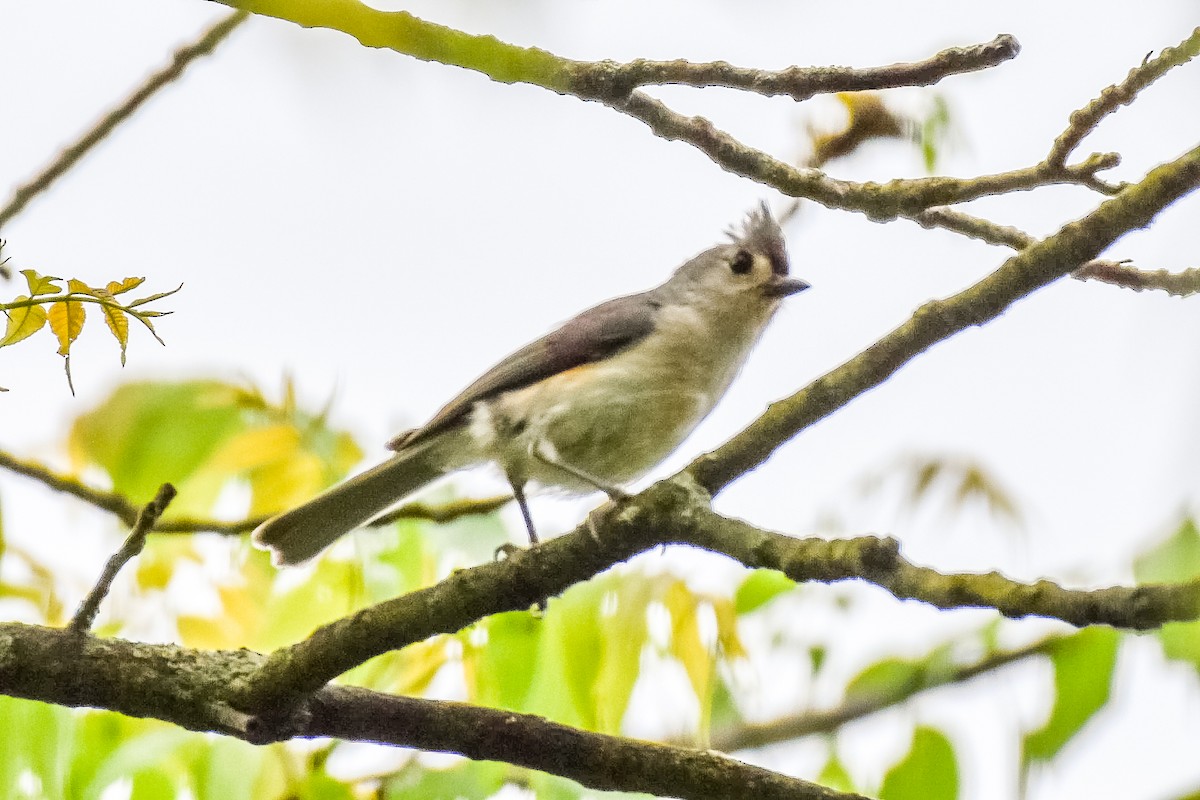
(385, 229)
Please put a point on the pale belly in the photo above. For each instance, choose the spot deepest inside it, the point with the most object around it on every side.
(613, 430)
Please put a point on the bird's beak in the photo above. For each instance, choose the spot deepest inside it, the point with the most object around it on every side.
(784, 287)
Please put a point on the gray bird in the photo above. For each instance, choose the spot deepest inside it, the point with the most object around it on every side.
(593, 405)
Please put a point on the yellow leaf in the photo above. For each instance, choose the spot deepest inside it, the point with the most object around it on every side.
(118, 323)
(286, 483)
(78, 286)
(257, 448)
(66, 320)
(727, 630)
(23, 322)
(124, 286)
(204, 633)
(686, 642)
(418, 665)
(40, 284)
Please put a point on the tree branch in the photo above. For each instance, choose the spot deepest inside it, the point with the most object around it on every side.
(119, 506)
(796, 726)
(609, 81)
(295, 672)
(191, 688)
(675, 511)
(86, 614)
(1034, 267)
(184, 56)
(1118, 273)
(1180, 284)
(1085, 120)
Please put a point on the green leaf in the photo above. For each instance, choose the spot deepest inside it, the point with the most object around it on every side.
(97, 734)
(504, 667)
(624, 637)
(151, 759)
(318, 785)
(553, 787)
(884, 679)
(226, 768)
(471, 780)
(760, 587)
(1083, 673)
(834, 775)
(564, 682)
(1176, 560)
(928, 772)
(37, 737)
(150, 432)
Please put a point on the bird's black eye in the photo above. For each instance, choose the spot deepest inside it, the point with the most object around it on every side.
(741, 262)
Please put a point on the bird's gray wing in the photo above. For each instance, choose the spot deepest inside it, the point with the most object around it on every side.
(591, 336)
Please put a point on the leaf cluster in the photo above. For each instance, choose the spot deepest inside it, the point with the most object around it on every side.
(65, 311)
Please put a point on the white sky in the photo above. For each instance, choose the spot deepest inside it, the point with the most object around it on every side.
(385, 229)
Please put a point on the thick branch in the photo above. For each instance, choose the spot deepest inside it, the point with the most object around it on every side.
(878, 561)
(675, 511)
(191, 688)
(1034, 267)
(184, 56)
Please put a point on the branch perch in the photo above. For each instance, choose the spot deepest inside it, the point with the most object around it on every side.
(191, 688)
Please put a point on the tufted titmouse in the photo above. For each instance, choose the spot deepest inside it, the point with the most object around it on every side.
(598, 402)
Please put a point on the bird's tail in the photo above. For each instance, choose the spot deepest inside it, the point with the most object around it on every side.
(298, 535)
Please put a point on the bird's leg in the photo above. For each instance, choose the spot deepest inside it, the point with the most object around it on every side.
(519, 493)
(508, 548)
(544, 452)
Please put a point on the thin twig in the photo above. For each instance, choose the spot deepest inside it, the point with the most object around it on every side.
(609, 81)
(114, 504)
(795, 726)
(446, 512)
(1085, 120)
(105, 125)
(120, 507)
(86, 614)
(1118, 273)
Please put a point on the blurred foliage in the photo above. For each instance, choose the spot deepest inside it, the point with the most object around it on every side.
(869, 117)
(580, 662)
(929, 771)
(65, 310)
(1175, 560)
